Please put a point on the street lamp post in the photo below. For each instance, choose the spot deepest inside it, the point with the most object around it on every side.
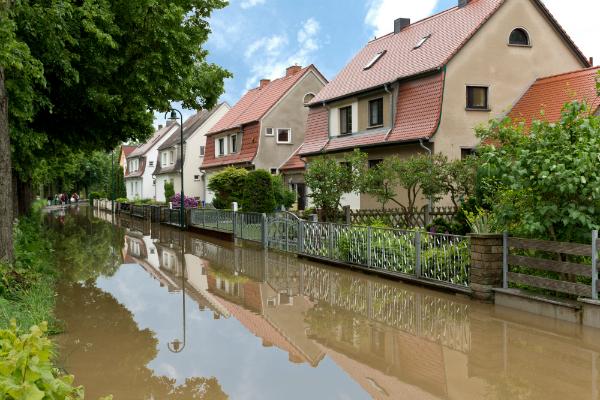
(112, 181)
(173, 117)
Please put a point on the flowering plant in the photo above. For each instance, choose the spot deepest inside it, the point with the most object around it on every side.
(189, 202)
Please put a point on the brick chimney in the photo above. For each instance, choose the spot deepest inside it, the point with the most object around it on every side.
(264, 82)
(292, 69)
(401, 23)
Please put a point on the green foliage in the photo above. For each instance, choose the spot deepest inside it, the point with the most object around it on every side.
(228, 186)
(27, 371)
(27, 285)
(481, 221)
(120, 189)
(96, 195)
(283, 195)
(545, 183)
(258, 194)
(169, 190)
(122, 200)
(93, 56)
(329, 178)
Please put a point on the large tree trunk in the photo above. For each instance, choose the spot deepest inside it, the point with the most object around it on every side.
(6, 200)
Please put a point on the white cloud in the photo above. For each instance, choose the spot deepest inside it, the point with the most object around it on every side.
(268, 57)
(579, 18)
(251, 3)
(382, 13)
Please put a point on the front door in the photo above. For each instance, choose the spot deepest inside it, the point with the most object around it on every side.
(301, 191)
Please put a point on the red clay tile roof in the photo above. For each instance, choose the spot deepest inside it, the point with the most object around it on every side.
(127, 149)
(417, 117)
(248, 148)
(450, 30)
(551, 93)
(317, 130)
(258, 101)
(294, 162)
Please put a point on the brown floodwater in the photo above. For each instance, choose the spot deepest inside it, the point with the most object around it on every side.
(154, 313)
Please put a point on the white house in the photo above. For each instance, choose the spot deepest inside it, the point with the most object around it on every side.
(140, 164)
(168, 162)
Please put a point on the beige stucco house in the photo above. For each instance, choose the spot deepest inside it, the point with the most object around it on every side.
(266, 126)
(168, 162)
(427, 84)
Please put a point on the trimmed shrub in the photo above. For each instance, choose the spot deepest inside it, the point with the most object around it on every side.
(169, 190)
(258, 194)
(283, 196)
(228, 186)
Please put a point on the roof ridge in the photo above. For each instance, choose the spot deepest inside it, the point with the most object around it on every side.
(564, 74)
(437, 14)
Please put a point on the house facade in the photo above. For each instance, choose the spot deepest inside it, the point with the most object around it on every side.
(265, 127)
(140, 165)
(425, 86)
(168, 162)
(124, 151)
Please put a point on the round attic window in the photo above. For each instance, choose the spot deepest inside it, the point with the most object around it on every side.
(308, 98)
(519, 37)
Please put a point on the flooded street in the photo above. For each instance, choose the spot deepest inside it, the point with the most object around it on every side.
(153, 313)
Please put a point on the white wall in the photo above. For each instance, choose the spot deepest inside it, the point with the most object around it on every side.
(193, 159)
(148, 191)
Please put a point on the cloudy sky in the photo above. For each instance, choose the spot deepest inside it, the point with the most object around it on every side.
(257, 39)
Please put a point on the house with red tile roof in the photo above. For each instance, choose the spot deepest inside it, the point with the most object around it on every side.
(266, 126)
(124, 151)
(546, 97)
(426, 85)
(140, 164)
(168, 162)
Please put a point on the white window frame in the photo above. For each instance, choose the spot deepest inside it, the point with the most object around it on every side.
(270, 134)
(202, 151)
(196, 177)
(232, 150)
(151, 163)
(289, 141)
(218, 146)
(171, 157)
(164, 160)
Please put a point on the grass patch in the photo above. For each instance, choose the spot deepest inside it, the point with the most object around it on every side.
(27, 285)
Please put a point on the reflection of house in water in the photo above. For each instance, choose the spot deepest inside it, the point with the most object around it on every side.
(266, 300)
(396, 341)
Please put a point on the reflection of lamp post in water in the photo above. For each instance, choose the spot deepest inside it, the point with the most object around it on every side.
(177, 345)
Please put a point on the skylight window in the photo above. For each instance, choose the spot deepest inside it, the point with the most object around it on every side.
(422, 41)
(375, 58)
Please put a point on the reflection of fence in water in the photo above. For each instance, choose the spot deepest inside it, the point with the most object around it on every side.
(437, 319)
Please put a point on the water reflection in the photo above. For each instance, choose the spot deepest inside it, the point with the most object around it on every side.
(267, 325)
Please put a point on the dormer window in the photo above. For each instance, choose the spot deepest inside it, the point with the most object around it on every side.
(164, 159)
(346, 120)
(422, 41)
(519, 37)
(221, 146)
(376, 112)
(375, 58)
(233, 143)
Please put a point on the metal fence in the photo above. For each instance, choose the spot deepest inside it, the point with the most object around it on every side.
(250, 226)
(437, 257)
(138, 210)
(172, 216)
(218, 220)
(283, 232)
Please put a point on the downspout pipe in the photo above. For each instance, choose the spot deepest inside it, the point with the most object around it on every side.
(430, 203)
(392, 117)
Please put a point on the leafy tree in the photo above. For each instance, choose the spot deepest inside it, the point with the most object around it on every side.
(545, 181)
(283, 196)
(258, 194)
(459, 177)
(88, 75)
(169, 190)
(228, 186)
(328, 180)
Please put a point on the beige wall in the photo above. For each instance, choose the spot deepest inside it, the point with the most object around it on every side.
(290, 112)
(403, 151)
(487, 59)
(363, 110)
(360, 112)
